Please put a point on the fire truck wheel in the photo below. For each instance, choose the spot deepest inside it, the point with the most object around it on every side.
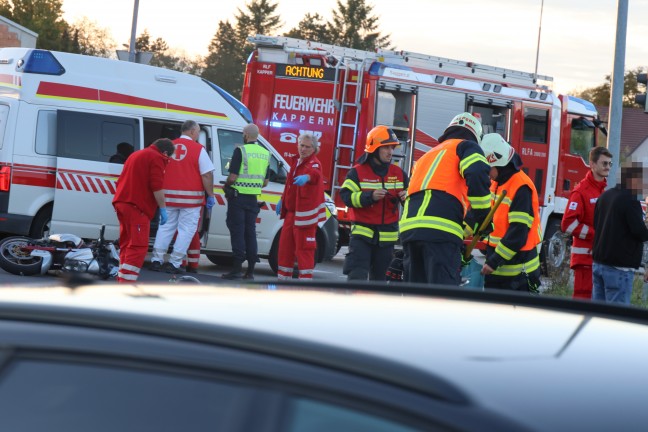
(555, 248)
(221, 260)
(40, 227)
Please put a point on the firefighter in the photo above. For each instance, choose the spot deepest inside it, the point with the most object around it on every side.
(512, 260)
(248, 175)
(189, 178)
(140, 190)
(373, 190)
(578, 220)
(444, 181)
(301, 207)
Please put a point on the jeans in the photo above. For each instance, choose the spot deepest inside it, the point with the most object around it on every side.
(611, 284)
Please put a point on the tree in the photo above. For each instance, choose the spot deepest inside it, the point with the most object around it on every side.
(354, 26)
(313, 28)
(92, 39)
(600, 95)
(144, 43)
(44, 17)
(225, 63)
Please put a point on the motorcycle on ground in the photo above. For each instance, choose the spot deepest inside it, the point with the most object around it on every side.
(59, 253)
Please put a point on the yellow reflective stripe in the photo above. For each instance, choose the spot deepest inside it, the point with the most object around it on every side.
(504, 251)
(433, 167)
(355, 199)
(506, 201)
(362, 230)
(427, 195)
(473, 158)
(351, 185)
(520, 217)
(370, 185)
(432, 222)
(516, 269)
(479, 203)
(388, 236)
(395, 185)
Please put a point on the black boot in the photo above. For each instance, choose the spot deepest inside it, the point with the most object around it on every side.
(235, 273)
(249, 274)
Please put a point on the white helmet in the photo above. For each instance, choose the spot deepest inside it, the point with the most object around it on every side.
(468, 121)
(497, 151)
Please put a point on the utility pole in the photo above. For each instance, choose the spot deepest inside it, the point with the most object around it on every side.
(131, 50)
(616, 95)
(535, 76)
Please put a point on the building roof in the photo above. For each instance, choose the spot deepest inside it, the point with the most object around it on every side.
(18, 26)
(634, 128)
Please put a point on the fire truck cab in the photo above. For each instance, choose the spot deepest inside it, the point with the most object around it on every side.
(338, 93)
(62, 117)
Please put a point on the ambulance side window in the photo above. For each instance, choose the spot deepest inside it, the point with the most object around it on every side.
(227, 141)
(46, 133)
(94, 137)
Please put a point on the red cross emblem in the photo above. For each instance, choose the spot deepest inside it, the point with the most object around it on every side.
(180, 152)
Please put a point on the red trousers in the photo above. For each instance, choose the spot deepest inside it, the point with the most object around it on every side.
(583, 282)
(296, 243)
(193, 253)
(134, 230)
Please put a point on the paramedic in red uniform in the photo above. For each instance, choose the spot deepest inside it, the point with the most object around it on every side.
(301, 207)
(373, 190)
(140, 191)
(189, 177)
(578, 220)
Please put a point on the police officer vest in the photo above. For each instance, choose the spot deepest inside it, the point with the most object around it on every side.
(254, 166)
(443, 172)
(503, 216)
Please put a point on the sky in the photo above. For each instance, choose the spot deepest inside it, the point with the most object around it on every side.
(577, 41)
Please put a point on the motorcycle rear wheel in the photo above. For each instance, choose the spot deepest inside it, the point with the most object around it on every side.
(15, 259)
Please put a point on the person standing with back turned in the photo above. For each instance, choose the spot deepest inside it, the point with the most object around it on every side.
(248, 175)
(373, 190)
(140, 191)
(189, 177)
(578, 220)
(444, 181)
(301, 207)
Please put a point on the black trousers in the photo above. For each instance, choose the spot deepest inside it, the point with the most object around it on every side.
(366, 260)
(432, 263)
(242, 212)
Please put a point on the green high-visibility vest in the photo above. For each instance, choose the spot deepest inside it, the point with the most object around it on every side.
(254, 166)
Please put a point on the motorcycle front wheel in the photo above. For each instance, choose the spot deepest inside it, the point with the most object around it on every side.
(15, 258)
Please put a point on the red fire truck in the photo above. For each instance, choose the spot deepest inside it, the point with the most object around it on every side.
(339, 94)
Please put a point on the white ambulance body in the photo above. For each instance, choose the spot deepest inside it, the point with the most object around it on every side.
(62, 116)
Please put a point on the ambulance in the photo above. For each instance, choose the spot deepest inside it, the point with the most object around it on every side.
(62, 117)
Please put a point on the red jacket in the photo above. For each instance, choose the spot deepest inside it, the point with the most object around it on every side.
(142, 175)
(578, 220)
(307, 202)
(183, 185)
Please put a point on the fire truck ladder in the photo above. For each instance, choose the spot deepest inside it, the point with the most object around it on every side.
(348, 107)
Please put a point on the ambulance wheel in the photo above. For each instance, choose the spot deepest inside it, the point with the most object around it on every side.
(16, 259)
(221, 260)
(40, 227)
(555, 249)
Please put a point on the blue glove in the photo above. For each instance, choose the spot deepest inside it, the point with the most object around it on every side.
(211, 202)
(278, 209)
(163, 216)
(301, 180)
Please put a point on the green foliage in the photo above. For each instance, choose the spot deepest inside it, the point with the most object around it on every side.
(312, 28)
(44, 17)
(92, 39)
(224, 65)
(354, 26)
(600, 95)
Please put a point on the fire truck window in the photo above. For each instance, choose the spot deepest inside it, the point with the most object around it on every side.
(536, 122)
(46, 133)
(227, 140)
(582, 138)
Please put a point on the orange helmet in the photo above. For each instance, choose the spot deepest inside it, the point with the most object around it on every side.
(380, 136)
